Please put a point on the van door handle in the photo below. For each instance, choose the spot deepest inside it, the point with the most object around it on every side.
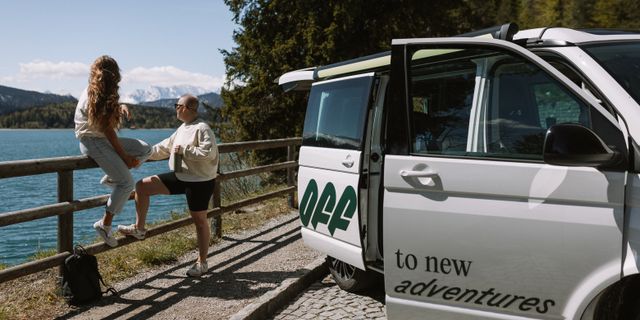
(417, 174)
(348, 162)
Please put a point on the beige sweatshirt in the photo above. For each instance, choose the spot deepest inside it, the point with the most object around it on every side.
(200, 152)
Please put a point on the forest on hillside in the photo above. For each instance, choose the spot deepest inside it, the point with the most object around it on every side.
(61, 116)
(278, 36)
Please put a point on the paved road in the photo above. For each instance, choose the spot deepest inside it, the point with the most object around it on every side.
(325, 300)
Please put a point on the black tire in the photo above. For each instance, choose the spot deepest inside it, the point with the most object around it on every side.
(620, 301)
(350, 278)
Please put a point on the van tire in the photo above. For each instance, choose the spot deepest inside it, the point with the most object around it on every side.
(348, 277)
(620, 301)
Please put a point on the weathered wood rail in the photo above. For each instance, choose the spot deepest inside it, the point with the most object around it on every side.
(67, 206)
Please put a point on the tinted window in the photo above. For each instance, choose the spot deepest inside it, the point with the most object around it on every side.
(485, 103)
(336, 113)
(622, 61)
(441, 96)
(524, 103)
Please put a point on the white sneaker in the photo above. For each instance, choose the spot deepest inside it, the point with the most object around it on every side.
(197, 269)
(132, 231)
(107, 182)
(105, 233)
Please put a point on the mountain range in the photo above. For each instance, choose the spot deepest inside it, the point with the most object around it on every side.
(12, 99)
(154, 93)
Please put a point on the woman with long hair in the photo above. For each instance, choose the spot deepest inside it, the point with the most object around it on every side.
(97, 118)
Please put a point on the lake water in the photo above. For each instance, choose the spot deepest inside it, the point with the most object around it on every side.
(19, 241)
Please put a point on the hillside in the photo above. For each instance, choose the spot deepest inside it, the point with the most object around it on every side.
(12, 99)
(61, 116)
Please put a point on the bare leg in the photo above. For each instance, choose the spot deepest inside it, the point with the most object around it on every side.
(146, 188)
(203, 233)
(107, 218)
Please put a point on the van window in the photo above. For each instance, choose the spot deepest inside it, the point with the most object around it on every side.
(485, 103)
(336, 113)
(524, 103)
(441, 96)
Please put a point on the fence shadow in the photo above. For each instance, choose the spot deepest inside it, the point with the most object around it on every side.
(148, 297)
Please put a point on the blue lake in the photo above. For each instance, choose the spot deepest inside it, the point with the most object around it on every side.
(18, 242)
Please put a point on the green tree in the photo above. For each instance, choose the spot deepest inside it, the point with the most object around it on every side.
(277, 36)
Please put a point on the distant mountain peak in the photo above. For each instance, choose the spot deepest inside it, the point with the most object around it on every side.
(154, 93)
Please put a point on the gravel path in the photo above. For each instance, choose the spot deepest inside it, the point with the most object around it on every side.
(241, 268)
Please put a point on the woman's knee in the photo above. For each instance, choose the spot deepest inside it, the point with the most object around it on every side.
(126, 183)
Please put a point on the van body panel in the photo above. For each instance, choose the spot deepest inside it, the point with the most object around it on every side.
(535, 244)
(510, 234)
(409, 310)
(632, 259)
(330, 160)
(328, 204)
(340, 250)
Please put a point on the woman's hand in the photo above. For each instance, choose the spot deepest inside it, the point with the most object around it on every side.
(177, 150)
(130, 161)
(124, 110)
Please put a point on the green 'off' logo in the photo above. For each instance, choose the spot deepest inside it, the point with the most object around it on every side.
(317, 211)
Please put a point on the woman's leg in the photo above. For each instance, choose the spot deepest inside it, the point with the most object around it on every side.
(137, 148)
(101, 151)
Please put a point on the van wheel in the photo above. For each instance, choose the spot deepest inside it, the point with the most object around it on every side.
(348, 277)
(620, 301)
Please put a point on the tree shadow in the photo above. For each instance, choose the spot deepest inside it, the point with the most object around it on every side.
(171, 286)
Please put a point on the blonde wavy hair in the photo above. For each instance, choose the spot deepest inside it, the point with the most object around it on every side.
(103, 108)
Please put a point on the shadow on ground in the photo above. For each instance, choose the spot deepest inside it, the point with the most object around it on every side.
(171, 286)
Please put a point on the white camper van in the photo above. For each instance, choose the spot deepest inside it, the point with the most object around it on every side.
(485, 177)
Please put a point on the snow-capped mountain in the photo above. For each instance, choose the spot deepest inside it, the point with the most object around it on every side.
(154, 93)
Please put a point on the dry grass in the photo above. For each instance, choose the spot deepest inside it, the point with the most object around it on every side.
(36, 296)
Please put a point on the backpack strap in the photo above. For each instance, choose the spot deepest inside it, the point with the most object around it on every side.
(78, 249)
(113, 291)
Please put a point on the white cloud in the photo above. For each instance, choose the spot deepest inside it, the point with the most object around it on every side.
(64, 77)
(54, 70)
(167, 76)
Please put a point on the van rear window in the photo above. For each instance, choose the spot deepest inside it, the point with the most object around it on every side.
(336, 113)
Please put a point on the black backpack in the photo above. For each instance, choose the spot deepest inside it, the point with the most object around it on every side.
(81, 278)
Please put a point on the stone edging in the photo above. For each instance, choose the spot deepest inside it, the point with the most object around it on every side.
(276, 299)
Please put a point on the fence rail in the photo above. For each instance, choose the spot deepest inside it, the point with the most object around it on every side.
(67, 206)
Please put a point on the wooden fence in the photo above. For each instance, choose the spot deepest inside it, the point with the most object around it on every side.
(66, 206)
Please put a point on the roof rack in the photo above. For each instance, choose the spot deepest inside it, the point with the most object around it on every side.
(502, 32)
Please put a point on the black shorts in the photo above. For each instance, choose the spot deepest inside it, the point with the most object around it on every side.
(198, 193)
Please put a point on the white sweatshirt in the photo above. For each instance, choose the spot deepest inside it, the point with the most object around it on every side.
(200, 152)
(82, 128)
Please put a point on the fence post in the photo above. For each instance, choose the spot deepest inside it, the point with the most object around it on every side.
(65, 221)
(216, 222)
(290, 175)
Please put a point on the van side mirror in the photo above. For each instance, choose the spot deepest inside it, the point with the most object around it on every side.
(574, 145)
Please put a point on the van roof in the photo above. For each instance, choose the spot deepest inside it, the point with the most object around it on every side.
(539, 37)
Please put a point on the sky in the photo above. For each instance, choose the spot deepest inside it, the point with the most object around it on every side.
(49, 45)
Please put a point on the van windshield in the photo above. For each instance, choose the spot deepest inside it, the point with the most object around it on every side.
(622, 61)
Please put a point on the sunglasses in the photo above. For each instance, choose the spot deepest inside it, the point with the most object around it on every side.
(175, 106)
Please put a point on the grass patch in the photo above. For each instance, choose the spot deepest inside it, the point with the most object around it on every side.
(36, 296)
(3, 266)
(41, 254)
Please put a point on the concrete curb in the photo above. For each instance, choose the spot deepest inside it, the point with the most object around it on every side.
(279, 297)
